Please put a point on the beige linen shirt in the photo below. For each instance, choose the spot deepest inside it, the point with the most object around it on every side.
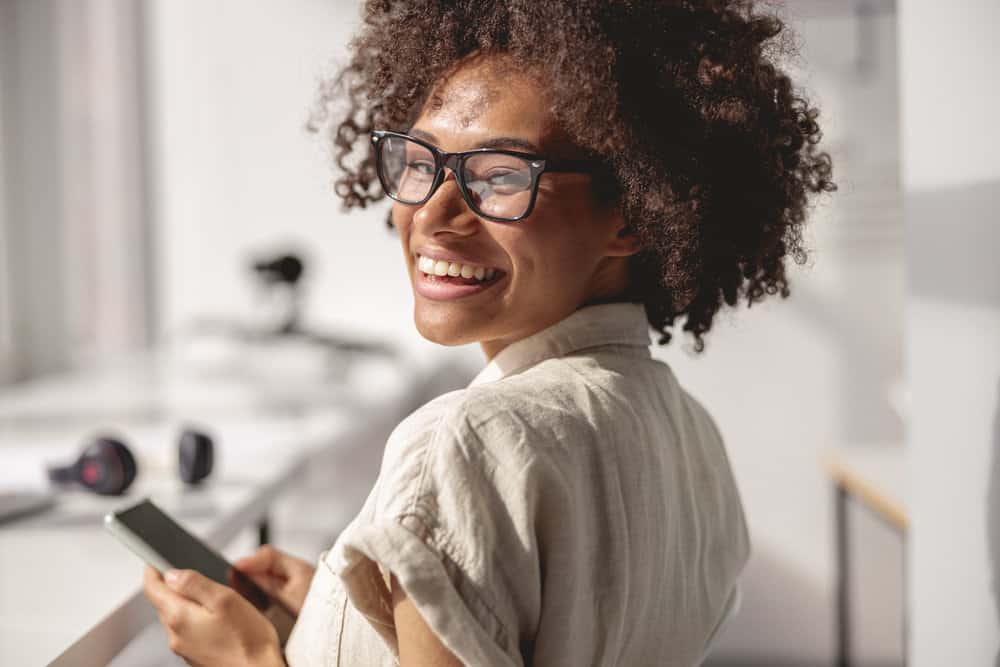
(572, 506)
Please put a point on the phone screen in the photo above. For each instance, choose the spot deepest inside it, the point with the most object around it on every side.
(186, 552)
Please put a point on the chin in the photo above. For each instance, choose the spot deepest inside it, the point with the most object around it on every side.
(442, 329)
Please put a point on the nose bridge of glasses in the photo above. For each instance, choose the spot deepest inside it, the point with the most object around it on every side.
(452, 161)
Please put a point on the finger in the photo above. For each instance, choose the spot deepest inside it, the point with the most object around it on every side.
(267, 583)
(154, 588)
(171, 607)
(265, 559)
(274, 588)
(174, 641)
(181, 646)
(197, 587)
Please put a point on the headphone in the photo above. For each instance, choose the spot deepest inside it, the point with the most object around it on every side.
(107, 467)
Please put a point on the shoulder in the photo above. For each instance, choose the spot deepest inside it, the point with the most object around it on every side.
(500, 428)
(587, 388)
(482, 435)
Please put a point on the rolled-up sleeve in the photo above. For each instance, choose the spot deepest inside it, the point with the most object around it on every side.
(453, 525)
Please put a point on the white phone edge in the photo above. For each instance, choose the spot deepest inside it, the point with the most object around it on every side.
(133, 541)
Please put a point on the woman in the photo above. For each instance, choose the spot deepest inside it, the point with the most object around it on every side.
(565, 175)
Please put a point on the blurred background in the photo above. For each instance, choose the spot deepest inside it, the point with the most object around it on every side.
(160, 199)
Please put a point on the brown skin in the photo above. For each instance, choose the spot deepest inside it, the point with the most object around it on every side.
(418, 645)
(569, 252)
(283, 577)
(210, 624)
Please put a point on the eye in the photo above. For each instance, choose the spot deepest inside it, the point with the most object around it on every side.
(422, 167)
(502, 177)
(509, 180)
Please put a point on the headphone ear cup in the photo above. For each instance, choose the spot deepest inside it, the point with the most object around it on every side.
(106, 466)
(195, 453)
(118, 462)
(129, 466)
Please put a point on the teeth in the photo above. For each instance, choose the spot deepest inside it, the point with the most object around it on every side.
(443, 268)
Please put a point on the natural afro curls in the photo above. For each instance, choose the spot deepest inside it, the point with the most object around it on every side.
(712, 155)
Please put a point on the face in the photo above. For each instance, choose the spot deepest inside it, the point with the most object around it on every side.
(567, 253)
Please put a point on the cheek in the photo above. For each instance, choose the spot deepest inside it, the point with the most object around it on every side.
(567, 233)
(555, 252)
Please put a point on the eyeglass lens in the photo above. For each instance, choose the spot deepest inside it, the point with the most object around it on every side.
(499, 184)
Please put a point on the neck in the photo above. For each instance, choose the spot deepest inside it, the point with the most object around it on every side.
(608, 286)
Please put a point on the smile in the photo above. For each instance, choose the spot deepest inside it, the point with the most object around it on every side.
(443, 280)
(440, 267)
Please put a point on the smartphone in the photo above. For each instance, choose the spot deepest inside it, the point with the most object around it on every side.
(163, 543)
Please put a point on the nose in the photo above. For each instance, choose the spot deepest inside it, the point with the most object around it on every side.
(446, 210)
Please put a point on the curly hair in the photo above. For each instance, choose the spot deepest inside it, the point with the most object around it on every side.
(711, 154)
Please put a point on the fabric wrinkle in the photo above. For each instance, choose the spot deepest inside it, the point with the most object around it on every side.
(572, 489)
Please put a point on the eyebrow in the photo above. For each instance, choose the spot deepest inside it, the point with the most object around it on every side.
(495, 142)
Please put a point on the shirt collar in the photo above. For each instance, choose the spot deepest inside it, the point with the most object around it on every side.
(618, 323)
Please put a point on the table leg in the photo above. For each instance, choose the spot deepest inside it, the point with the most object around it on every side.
(263, 530)
(906, 603)
(843, 600)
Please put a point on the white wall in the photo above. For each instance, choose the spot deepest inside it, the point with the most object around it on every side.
(787, 380)
(949, 54)
(950, 92)
(239, 175)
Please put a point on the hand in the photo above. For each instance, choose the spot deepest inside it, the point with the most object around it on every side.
(283, 577)
(209, 624)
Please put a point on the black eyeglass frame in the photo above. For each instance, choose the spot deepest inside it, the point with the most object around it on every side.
(456, 162)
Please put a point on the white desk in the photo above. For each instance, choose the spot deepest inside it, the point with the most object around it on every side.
(69, 593)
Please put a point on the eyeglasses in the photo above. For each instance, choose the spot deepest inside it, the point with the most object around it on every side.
(497, 184)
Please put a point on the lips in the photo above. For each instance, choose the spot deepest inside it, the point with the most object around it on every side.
(450, 287)
(447, 288)
(442, 275)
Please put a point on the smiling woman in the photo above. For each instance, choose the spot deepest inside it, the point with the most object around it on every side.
(554, 248)
(709, 151)
(564, 176)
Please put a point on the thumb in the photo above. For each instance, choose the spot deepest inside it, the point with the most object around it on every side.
(194, 586)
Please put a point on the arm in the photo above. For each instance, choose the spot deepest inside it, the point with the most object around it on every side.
(418, 645)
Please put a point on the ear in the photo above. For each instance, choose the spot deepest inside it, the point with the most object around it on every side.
(625, 241)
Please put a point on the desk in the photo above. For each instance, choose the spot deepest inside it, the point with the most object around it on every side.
(874, 476)
(69, 593)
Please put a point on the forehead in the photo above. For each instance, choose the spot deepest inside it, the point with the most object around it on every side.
(484, 98)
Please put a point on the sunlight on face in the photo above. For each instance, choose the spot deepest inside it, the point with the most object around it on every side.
(514, 278)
